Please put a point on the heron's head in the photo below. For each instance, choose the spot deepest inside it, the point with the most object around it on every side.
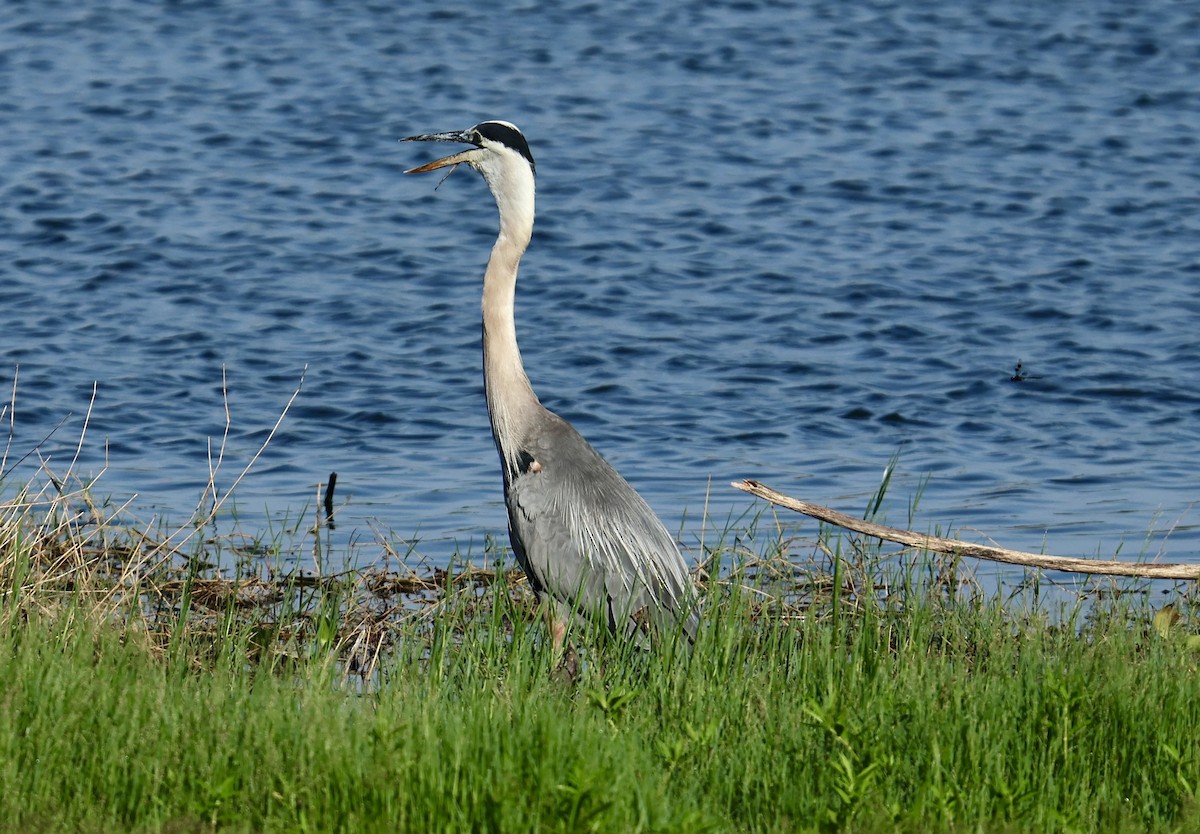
(499, 151)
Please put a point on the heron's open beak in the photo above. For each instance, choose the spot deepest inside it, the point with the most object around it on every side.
(453, 159)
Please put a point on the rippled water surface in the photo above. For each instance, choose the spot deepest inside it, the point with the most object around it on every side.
(774, 240)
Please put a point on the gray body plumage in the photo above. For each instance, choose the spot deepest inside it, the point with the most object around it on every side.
(587, 539)
(584, 537)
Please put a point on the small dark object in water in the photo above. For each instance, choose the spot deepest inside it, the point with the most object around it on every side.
(329, 500)
(1019, 374)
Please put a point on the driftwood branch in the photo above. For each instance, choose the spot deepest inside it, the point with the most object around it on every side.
(961, 548)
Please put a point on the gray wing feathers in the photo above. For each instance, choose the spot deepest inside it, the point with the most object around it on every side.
(586, 537)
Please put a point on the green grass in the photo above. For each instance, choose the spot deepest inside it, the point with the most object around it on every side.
(867, 713)
(832, 688)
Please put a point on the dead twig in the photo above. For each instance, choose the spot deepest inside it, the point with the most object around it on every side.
(957, 547)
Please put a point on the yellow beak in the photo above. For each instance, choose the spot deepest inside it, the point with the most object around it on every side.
(454, 159)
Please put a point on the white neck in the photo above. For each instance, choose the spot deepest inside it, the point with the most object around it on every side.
(512, 403)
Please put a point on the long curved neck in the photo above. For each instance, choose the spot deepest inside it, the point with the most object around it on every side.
(511, 401)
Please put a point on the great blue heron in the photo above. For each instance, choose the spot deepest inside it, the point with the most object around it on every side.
(586, 540)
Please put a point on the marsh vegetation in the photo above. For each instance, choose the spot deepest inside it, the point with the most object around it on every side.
(188, 680)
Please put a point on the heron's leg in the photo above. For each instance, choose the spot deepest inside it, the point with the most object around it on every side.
(565, 662)
(558, 632)
(556, 622)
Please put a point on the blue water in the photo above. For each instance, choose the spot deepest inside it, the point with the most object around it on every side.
(775, 240)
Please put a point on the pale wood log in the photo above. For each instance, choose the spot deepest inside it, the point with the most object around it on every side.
(960, 548)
